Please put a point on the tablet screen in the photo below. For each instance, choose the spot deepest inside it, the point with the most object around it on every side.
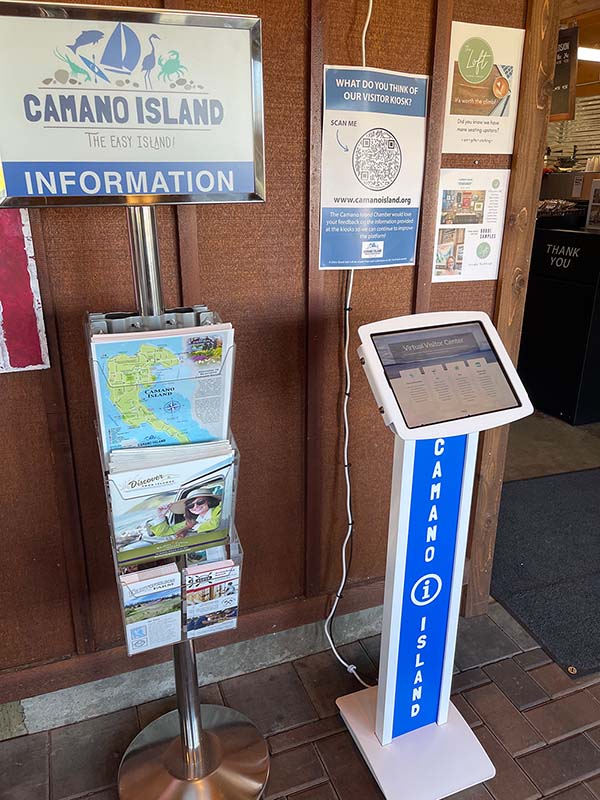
(444, 373)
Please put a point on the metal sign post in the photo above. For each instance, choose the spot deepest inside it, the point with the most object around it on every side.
(197, 751)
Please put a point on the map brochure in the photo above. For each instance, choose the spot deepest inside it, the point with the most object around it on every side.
(167, 387)
(124, 460)
(211, 598)
(172, 509)
(152, 607)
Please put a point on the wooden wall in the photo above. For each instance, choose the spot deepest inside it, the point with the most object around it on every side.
(257, 265)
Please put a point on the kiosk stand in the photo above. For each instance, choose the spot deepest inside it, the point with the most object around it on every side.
(438, 379)
(197, 751)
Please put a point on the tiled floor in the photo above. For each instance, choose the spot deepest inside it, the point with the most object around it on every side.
(540, 727)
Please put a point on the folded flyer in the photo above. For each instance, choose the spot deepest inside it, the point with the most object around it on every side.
(152, 606)
(166, 387)
(168, 510)
(211, 598)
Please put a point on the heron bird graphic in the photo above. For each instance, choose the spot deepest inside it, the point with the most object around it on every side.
(149, 61)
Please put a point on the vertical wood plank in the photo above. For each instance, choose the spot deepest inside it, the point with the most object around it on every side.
(315, 314)
(433, 154)
(530, 138)
(62, 458)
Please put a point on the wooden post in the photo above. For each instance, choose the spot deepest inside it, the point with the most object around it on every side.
(530, 139)
(433, 154)
(315, 290)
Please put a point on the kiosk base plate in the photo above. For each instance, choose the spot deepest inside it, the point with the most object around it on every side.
(428, 764)
(236, 760)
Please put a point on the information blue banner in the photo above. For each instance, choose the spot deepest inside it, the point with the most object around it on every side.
(376, 90)
(381, 236)
(435, 501)
(98, 178)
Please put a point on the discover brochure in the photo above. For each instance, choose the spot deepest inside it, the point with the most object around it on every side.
(165, 510)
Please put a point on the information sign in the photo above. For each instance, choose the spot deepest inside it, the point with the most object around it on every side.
(108, 105)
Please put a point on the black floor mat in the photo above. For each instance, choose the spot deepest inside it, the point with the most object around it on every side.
(547, 564)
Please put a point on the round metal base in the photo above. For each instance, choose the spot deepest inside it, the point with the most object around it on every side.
(235, 754)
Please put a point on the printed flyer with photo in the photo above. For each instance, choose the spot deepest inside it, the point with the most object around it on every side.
(483, 88)
(372, 167)
(470, 223)
(152, 607)
(212, 598)
(160, 512)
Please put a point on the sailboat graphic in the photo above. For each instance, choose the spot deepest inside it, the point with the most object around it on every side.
(122, 51)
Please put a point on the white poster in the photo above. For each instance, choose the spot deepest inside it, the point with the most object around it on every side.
(483, 88)
(130, 103)
(372, 167)
(470, 222)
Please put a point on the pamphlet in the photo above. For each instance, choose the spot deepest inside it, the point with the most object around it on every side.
(152, 605)
(211, 598)
(171, 509)
(163, 387)
(124, 460)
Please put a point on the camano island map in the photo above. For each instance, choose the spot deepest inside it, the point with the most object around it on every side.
(163, 388)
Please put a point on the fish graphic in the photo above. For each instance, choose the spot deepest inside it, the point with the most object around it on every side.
(86, 37)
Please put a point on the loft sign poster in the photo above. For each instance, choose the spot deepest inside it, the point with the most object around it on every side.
(102, 107)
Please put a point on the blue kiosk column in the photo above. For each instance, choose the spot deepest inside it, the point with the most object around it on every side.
(414, 740)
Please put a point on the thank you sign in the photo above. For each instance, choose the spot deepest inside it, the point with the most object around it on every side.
(434, 507)
(129, 103)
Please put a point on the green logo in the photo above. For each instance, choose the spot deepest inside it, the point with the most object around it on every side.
(475, 60)
(495, 183)
(483, 250)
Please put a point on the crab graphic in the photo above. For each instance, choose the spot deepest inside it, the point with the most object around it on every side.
(171, 67)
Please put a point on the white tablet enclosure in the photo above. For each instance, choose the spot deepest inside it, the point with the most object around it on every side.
(441, 374)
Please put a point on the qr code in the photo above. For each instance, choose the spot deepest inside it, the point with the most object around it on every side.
(377, 159)
(139, 637)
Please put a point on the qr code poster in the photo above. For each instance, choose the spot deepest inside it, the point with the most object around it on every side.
(372, 167)
(470, 223)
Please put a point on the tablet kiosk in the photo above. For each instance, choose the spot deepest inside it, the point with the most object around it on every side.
(441, 374)
(438, 379)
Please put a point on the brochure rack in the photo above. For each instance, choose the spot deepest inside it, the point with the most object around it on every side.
(197, 751)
